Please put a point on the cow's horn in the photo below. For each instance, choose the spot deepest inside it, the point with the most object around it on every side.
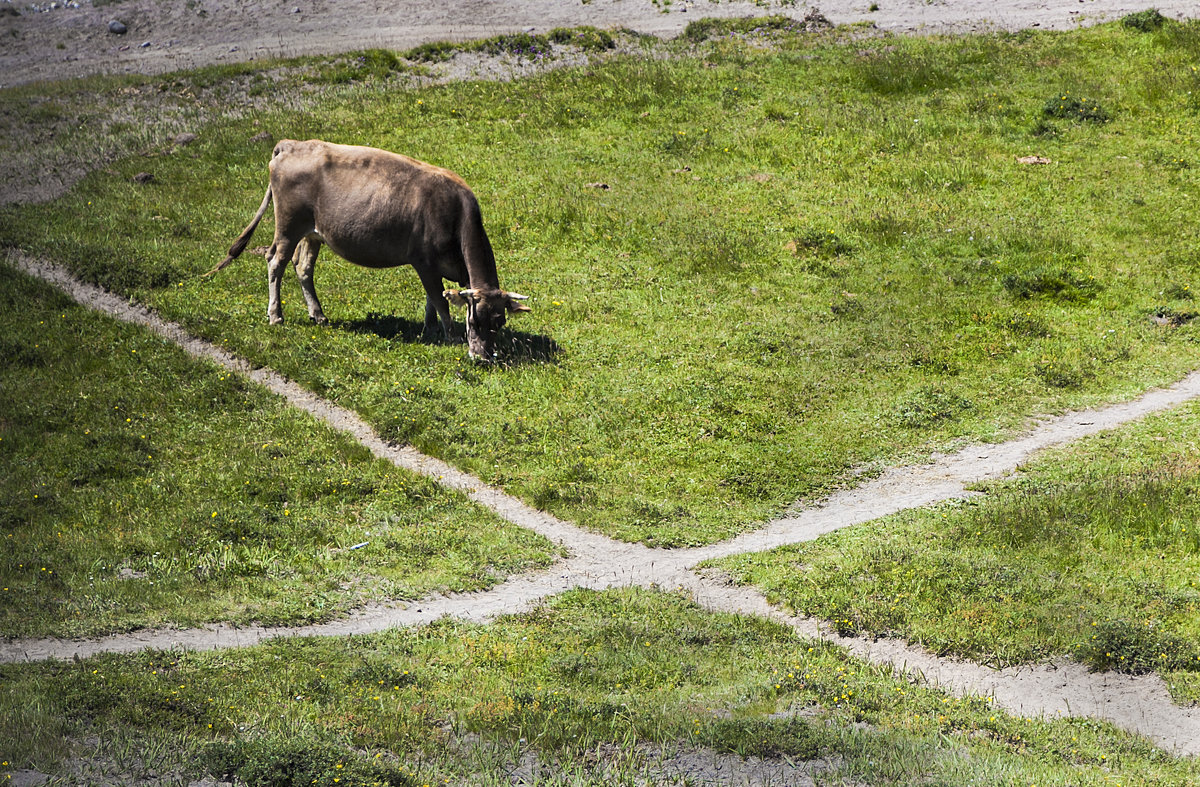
(516, 296)
(470, 292)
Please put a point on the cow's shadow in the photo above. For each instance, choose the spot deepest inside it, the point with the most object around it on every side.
(385, 326)
(516, 348)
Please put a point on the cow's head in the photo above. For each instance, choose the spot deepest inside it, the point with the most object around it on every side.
(487, 311)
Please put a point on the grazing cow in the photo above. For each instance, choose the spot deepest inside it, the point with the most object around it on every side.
(379, 210)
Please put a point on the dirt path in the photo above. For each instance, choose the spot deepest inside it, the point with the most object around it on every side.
(41, 42)
(1140, 704)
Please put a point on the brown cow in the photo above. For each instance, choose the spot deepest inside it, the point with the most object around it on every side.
(379, 210)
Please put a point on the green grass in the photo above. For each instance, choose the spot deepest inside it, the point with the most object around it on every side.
(139, 487)
(1093, 553)
(697, 360)
(579, 681)
(811, 259)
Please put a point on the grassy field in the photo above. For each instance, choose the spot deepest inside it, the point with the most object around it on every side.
(811, 258)
(1093, 552)
(144, 488)
(579, 682)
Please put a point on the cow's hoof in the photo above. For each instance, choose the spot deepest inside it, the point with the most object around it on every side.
(322, 320)
(275, 320)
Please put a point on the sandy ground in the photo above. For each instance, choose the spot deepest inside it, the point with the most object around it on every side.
(53, 40)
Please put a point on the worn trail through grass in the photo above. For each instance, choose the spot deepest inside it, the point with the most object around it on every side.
(1137, 703)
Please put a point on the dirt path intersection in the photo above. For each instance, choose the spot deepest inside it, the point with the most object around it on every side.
(1141, 704)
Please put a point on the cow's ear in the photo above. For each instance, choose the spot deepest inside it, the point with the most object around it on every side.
(512, 302)
(458, 297)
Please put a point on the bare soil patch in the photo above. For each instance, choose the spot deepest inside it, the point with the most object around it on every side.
(72, 38)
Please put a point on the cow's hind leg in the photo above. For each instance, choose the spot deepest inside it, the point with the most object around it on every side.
(305, 262)
(277, 260)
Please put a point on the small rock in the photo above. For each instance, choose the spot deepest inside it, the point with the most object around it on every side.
(117, 28)
(601, 186)
(1033, 160)
(144, 45)
(26, 778)
(815, 20)
(143, 178)
(261, 136)
(296, 10)
(186, 138)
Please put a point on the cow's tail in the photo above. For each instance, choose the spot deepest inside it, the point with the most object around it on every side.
(243, 240)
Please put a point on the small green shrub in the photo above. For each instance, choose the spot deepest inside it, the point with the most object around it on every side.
(586, 37)
(704, 29)
(1144, 21)
(359, 66)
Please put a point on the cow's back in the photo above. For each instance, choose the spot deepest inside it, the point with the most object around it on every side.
(372, 207)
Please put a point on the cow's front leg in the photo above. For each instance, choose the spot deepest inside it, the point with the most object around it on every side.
(437, 309)
(306, 262)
